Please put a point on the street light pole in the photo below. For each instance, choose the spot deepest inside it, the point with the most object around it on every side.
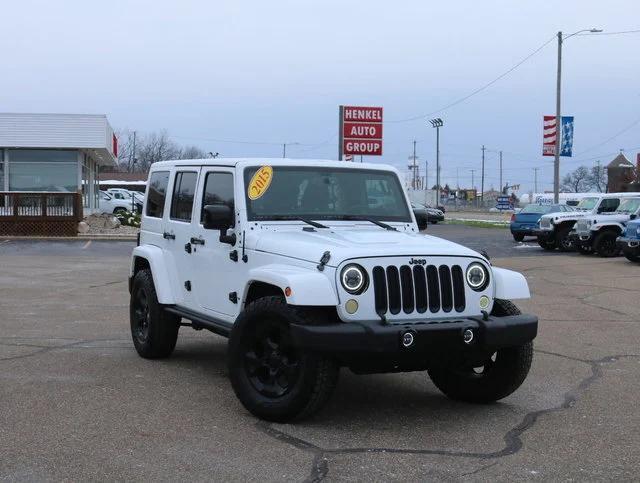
(556, 162)
(437, 124)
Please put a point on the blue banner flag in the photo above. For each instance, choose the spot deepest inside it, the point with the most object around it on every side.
(566, 145)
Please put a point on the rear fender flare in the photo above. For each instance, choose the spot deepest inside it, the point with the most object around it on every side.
(154, 256)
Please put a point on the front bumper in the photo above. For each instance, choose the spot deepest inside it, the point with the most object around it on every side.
(628, 244)
(544, 235)
(429, 338)
(581, 239)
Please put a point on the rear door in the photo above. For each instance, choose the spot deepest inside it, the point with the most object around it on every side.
(216, 276)
(608, 205)
(177, 232)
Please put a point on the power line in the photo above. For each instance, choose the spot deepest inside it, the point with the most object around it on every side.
(611, 33)
(611, 138)
(479, 89)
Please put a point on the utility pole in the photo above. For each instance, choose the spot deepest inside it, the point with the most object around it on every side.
(482, 179)
(473, 184)
(426, 174)
(437, 124)
(556, 161)
(598, 176)
(284, 150)
(501, 172)
(535, 180)
(132, 154)
(414, 167)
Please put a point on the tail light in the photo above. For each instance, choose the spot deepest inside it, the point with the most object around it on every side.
(513, 218)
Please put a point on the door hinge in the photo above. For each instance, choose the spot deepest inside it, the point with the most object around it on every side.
(233, 255)
(233, 296)
(187, 247)
(187, 285)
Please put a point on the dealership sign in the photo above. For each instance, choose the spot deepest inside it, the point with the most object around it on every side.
(360, 131)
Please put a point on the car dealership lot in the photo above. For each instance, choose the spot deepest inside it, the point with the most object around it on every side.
(76, 401)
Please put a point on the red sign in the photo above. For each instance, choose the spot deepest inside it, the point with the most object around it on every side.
(361, 130)
(549, 136)
(366, 147)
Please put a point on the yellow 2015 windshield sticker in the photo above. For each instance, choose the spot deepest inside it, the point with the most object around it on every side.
(260, 182)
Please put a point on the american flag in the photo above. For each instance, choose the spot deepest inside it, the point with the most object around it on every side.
(550, 134)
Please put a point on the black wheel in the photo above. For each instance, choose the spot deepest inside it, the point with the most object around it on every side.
(501, 374)
(435, 222)
(119, 210)
(153, 329)
(518, 237)
(547, 245)
(273, 379)
(584, 250)
(564, 243)
(605, 244)
(632, 255)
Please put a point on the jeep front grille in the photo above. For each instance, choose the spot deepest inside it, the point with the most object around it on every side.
(418, 288)
(582, 226)
(545, 223)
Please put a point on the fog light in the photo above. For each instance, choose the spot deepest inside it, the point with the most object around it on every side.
(351, 306)
(467, 336)
(484, 302)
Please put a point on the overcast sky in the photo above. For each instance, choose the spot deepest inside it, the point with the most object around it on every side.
(276, 71)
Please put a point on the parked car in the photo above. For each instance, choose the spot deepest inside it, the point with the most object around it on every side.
(422, 217)
(599, 233)
(434, 215)
(289, 261)
(525, 221)
(124, 194)
(554, 229)
(110, 204)
(629, 242)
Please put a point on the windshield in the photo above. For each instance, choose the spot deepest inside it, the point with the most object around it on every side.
(538, 209)
(587, 203)
(629, 205)
(324, 193)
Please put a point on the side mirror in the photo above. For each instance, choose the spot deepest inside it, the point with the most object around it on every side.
(219, 217)
(633, 217)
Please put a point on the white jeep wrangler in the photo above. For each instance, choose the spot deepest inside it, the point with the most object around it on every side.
(598, 233)
(554, 229)
(309, 266)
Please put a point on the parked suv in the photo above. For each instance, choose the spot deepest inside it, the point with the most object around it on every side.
(599, 233)
(554, 229)
(305, 272)
(629, 242)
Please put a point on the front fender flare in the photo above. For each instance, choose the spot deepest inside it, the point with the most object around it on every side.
(308, 287)
(608, 226)
(154, 256)
(510, 285)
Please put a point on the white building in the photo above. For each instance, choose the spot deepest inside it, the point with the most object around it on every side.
(55, 152)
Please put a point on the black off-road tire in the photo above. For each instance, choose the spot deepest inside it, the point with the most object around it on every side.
(309, 378)
(154, 330)
(500, 377)
(518, 237)
(563, 242)
(631, 255)
(604, 244)
(547, 245)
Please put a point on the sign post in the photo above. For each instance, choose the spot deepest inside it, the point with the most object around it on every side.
(360, 131)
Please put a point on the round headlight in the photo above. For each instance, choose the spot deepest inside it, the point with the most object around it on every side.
(354, 279)
(638, 231)
(477, 276)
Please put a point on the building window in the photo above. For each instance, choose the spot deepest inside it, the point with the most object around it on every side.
(43, 170)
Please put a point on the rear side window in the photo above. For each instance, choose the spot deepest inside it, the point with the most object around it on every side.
(218, 190)
(184, 190)
(608, 205)
(157, 193)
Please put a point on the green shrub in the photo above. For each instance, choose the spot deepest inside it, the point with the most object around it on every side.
(127, 218)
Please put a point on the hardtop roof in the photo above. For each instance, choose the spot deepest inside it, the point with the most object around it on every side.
(234, 162)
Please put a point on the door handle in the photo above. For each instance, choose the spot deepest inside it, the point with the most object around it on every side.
(168, 236)
(197, 241)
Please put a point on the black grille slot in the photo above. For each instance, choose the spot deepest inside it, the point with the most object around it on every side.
(380, 290)
(433, 288)
(393, 283)
(420, 282)
(445, 288)
(459, 301)
(406, 282)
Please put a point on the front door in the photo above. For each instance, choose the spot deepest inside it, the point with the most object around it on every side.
(178, 228)
(215, 275)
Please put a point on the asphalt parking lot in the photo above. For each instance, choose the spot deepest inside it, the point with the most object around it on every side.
(77, 403)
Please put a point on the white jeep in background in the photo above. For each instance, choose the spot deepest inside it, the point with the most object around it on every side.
(307, 270)
(554, 229)
(598, 233)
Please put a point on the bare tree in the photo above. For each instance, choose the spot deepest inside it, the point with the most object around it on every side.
(192, 152)
(598, 178)
(577, 181)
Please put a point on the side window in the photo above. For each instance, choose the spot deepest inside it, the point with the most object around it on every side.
(608, 205)
(183, 192)
(157, 193)
(218, 190)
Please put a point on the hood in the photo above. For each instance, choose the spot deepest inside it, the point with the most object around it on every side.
(562, 216)
(610, 218)
(349, 242)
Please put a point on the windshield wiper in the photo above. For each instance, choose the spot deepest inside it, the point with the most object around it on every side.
(314, 224)
(371, 220)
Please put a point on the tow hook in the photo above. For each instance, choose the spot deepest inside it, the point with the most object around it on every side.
(407, 338)
(467, 336)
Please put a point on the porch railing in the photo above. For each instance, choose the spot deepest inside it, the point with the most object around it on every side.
(39, 213)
